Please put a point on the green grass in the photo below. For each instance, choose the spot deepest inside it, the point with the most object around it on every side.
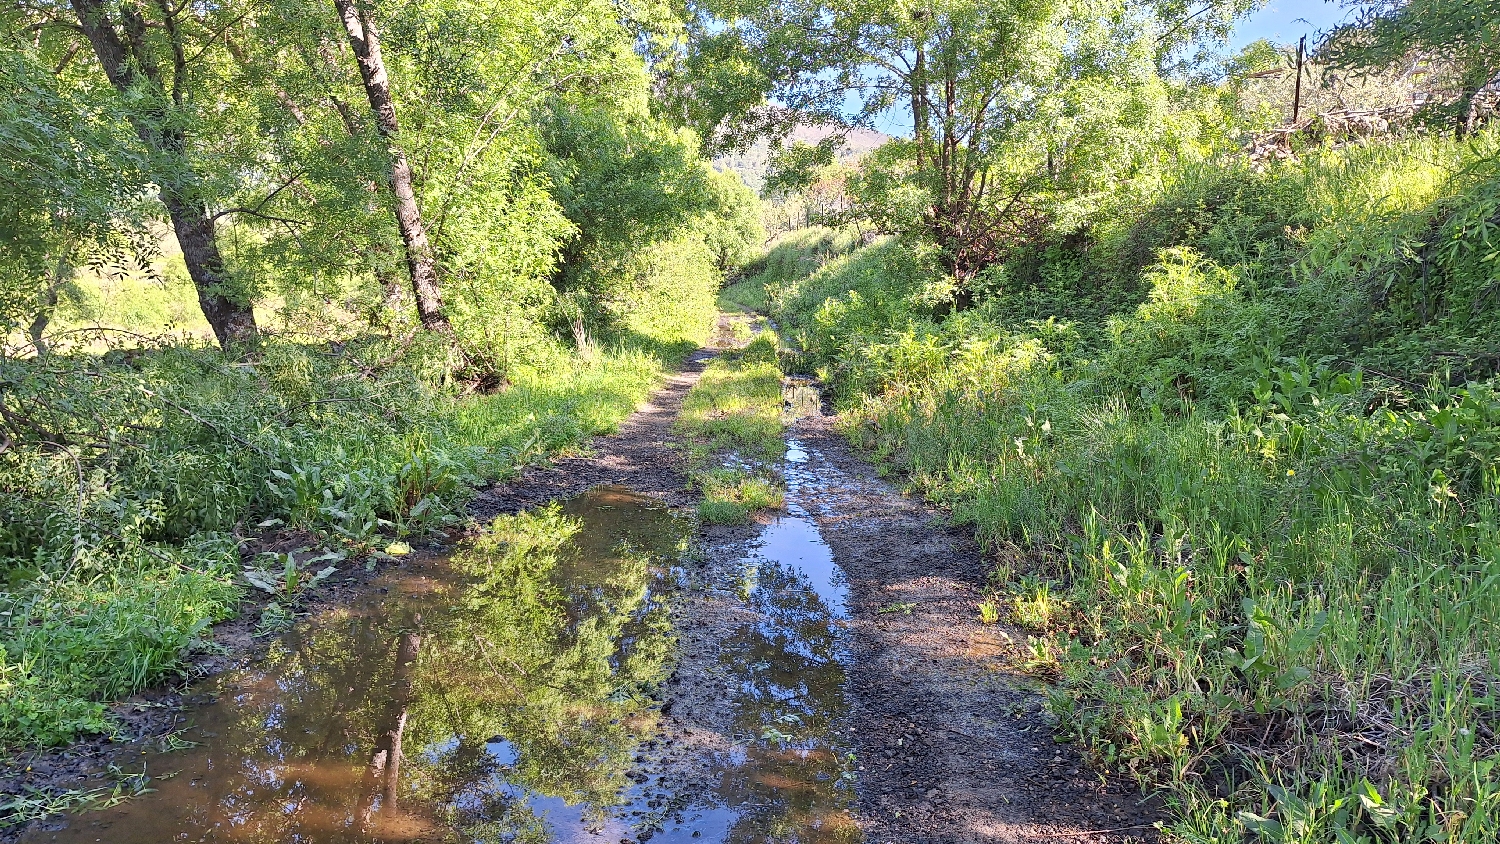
(133, 472)
(1255, 501)
(747, 295)
(732, 424)
(732, 496)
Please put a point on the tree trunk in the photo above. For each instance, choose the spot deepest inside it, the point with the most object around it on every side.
(126, 60)
(233, 323)
(38, 328)
(383, 775)
(365, 42)
(1464, 121)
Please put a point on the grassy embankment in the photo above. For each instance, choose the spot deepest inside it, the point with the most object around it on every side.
(1237, 453)
(732, 423)
(140, 475)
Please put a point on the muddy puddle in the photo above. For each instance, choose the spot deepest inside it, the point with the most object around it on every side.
(521, 691)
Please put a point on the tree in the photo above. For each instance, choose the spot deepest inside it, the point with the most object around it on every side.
(732, 227)
(967, 71)
(71, 192)
(420, 262)
(1462, 34)
(152, 55)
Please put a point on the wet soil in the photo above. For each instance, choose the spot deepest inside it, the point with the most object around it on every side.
(952, 742)
(818, 677)
(640, 455)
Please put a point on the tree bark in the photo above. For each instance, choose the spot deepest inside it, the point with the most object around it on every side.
(126, 61)
(365, 42)
(38, 328)
(1463, 125)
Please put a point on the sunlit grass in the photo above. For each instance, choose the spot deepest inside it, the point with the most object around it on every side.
(731, 422)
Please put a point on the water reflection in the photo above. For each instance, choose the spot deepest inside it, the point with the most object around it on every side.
(504, 696)
(794, 782)
(501, 701)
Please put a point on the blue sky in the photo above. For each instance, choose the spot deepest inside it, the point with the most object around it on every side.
(1284, 21)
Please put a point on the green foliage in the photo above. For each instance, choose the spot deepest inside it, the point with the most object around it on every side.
(69, 189)
(1255, 457)
(1020, 110)
(124, 473)
(1464, 35)
(72, 645)
(733, 229)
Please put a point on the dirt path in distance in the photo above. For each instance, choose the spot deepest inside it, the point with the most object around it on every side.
(639, 455)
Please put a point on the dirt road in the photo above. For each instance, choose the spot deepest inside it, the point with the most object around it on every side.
(832, 682)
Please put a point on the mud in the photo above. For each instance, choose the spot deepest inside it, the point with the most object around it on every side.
(832, 683)
(952, 741)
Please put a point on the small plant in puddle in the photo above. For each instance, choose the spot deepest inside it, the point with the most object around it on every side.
(989, 612)
(34, 804)
(731, 496)
(775, 736)
(903, 608)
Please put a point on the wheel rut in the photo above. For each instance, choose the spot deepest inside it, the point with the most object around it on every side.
(952, 742)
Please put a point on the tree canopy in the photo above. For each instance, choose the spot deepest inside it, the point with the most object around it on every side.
(980, 81)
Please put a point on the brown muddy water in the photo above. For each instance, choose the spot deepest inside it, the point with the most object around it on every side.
(515, 692)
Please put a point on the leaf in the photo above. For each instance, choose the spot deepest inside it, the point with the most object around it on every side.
(262, 581)
(1303, 640)
(322, 575)
(1380, 814)
(1256, 823)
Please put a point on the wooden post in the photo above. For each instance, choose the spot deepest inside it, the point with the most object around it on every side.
(1297, 97)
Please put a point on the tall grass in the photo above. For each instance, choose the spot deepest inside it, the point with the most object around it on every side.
(1245, 488)
(731, 422)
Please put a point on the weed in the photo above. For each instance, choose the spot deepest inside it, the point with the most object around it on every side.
(1039, 610)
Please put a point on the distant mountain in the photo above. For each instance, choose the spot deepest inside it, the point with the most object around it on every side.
(752, 164)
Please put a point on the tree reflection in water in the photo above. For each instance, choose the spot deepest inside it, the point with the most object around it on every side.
(475, 698)
(501, 696)
(790, 666)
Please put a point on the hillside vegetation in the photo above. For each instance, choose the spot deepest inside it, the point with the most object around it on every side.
(1237, 454)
